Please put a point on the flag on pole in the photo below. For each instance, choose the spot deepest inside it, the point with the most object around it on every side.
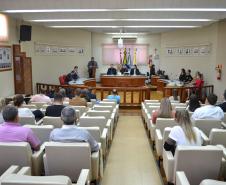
(125, 58)
(129, 60)
(135, 57)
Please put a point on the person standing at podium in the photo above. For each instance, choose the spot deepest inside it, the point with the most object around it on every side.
(111, 70)
(135, 71)
(92, 65)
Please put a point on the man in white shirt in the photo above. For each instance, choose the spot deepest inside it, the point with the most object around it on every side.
(209, 111)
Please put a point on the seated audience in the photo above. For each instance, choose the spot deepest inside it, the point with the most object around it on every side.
(41, 98)
(124, 69)
(111, 70)
(90, 94)
(183, 134)
(209, 111)
(193, 103)
(182, 76)
(189, 78)
(135, 71)
(175, 97)
(18, 101)
(69, 93)
(165, 111)
(73, 75)
(12, 131)
(62, 91)
(114, 96)
(78, 100)
(2, 105)
(55, 109)
(70, 132)
(223, 105)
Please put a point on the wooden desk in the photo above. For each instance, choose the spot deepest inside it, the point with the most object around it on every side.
(84, 82)
(122, 81)
(154, 80)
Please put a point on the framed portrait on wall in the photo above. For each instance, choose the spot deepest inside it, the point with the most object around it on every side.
(5, 58)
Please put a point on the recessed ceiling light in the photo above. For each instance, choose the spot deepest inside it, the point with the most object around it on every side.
(111, 20)
(120, 10)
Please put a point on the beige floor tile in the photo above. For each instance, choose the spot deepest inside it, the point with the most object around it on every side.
(131, 161)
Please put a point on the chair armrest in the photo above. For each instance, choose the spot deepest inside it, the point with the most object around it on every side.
(158, 142)
(206, 140)
(25, 171)
(103, 140)
(83, 177)
(95, 156)
(12, 169)
(168, 165)
(89, 104)
(181, 178)
(148, 120)
(223, 124)
(39, 122)
(152, 130)
(109, 125)
(37, 161)
(224, 150)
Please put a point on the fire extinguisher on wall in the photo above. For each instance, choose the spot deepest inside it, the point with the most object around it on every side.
(219, 71)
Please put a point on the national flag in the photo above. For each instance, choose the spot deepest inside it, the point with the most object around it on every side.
(129, 60)
(135, 57)
(125, 57)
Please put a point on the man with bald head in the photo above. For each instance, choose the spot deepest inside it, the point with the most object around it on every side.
(70, 132)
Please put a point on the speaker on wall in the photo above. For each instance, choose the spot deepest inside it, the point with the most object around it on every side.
(25, 33)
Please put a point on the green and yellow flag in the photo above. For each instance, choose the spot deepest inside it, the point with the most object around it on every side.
(125, 57)
(135, 57)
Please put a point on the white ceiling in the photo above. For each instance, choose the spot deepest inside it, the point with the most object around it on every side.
(214, 10)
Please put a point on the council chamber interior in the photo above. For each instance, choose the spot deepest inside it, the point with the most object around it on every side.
(112, 92)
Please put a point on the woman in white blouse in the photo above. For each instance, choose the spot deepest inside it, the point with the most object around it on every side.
(18, 101)
(183, 134)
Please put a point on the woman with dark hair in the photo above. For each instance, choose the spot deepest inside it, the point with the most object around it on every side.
(182, 76)
(18, 101)
(193, 103)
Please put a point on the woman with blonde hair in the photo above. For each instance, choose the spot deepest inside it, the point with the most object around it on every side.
(184, 133)
(2, 105)
(165, 111)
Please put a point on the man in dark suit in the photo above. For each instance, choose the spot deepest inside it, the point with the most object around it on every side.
(111, 70)
(223, 105)
(73, 75)
(135, 71)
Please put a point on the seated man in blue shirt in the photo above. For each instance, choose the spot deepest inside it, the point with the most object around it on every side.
(114, 96)
(111, 70)
(70, 132)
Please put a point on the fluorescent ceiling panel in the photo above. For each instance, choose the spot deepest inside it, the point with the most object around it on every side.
(120, 10)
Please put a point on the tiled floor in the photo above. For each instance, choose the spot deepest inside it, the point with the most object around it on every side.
(131, 161)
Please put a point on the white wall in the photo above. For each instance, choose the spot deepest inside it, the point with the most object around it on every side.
(220, 85)
(98, 39)
(47, 69)
(7, 77)
(204, 64)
